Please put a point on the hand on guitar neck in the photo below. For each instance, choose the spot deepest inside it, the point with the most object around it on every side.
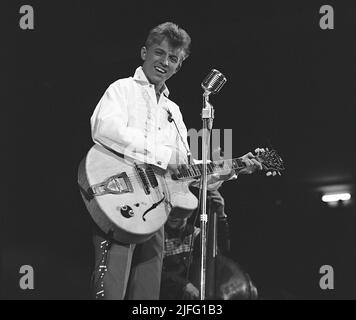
(250, 162)
(249, 159)
(177, 159)
(228, 169)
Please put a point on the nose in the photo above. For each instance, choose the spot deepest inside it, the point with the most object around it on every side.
(165, 60)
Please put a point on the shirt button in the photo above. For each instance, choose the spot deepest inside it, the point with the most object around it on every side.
(159, 162)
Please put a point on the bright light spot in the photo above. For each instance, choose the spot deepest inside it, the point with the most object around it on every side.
(336, 197)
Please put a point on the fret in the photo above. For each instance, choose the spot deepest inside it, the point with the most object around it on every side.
(208, 168)
(196, 173)
(196, 170)
(237, 163)
(189, 174)
(184, 171)
(211, 167)
(191, 171)
(200, 168)
(197, 167)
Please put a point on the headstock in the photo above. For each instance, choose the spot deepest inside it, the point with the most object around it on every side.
(271, 161)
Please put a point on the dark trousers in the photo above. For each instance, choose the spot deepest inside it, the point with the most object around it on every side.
(127, 271)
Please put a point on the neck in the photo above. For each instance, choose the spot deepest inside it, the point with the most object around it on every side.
(195, 170)
(159, 88)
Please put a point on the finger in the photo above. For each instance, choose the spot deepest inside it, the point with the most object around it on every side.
(248, 162)
(257, 164)
(217, 200)
(269, 173)
(215, 196)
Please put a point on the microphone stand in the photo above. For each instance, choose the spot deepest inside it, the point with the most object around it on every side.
(207, 118)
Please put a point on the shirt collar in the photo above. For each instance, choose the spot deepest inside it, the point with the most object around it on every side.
(140, 76)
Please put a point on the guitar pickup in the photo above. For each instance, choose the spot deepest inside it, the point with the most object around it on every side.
(151, 177)
(143, 178)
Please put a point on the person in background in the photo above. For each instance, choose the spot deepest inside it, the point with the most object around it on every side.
(181, 259)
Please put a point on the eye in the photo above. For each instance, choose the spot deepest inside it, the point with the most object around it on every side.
(174, 59)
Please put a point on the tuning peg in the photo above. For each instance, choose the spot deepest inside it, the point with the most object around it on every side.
(259, 150)
(273, 173)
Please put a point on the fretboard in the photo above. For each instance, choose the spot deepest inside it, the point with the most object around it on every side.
(196, 170)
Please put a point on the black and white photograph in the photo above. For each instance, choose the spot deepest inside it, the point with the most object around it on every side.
(176, 152)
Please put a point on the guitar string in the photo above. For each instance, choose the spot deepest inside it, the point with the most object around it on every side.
(136, 177)
(189, 171)
(216, 169)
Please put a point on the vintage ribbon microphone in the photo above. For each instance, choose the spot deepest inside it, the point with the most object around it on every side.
(211, 85)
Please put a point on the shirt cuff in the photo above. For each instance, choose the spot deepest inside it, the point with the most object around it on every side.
(162, 157)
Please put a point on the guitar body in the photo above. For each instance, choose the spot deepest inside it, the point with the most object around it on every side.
(130, 200)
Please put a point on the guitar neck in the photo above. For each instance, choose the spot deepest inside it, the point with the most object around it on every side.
(196, 170)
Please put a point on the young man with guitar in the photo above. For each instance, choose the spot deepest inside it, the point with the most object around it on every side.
(130, 180)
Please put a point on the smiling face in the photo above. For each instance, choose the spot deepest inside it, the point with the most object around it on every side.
(160, 62)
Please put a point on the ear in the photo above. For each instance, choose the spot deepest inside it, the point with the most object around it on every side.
(179, 66)
(143, 53)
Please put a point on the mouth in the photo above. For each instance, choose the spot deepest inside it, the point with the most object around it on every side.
(160, 70)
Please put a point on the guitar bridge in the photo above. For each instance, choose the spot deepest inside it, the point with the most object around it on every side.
(117, 184)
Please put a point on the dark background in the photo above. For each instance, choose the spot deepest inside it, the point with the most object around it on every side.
(290, 85)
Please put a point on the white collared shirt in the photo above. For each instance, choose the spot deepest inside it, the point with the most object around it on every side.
(129, 120)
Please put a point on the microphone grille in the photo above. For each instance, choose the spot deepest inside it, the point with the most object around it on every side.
(213, 81)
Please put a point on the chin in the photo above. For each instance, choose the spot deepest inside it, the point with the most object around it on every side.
(154, 79)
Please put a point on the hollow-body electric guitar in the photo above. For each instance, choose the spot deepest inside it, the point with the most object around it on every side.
(132, 200)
